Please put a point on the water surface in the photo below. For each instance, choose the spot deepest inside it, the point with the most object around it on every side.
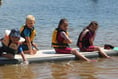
(102, 69)
(48, 13)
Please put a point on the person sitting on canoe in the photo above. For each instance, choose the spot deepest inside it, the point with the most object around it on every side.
(86, 38)
(28, 32)
(61, 41)
(11, 45)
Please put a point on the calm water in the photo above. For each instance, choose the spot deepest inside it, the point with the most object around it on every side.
(48, 13)
(103, 69)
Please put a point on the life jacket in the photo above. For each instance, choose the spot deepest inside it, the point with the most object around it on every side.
(32, 35)
(9, 46)
(55, 39)
(85, 42)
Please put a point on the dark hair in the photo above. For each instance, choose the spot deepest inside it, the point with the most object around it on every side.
(15, 33)
(91, 23)
(108, 46)
(61, 22)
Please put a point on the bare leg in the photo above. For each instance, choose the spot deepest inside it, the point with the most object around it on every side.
(30, 52)
(75, 52)
(102, 52)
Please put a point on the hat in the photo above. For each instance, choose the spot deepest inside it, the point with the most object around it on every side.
(15, 33)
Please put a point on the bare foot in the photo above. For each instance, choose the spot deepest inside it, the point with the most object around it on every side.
(108, 57)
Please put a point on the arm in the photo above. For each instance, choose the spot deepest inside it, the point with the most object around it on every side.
(35, 45)
(28, 42)
(81, 37)
(92, 39)
(68, 40)
(83, 34)
(22, 55)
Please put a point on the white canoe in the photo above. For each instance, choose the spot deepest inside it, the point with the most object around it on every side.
(49, 55)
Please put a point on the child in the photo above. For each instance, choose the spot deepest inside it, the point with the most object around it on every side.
(86, 38)
(11, 45)
(61, 40)
(28, 32)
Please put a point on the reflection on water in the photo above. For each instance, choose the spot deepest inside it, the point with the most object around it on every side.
(16, 72)
(103, 69)
(107, 69)
(74, 70)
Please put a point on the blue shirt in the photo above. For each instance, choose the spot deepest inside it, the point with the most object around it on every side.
(27, 32)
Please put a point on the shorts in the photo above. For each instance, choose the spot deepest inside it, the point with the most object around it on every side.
(66, 50)
(89, 49)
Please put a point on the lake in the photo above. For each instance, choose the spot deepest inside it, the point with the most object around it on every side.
(48, 13)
